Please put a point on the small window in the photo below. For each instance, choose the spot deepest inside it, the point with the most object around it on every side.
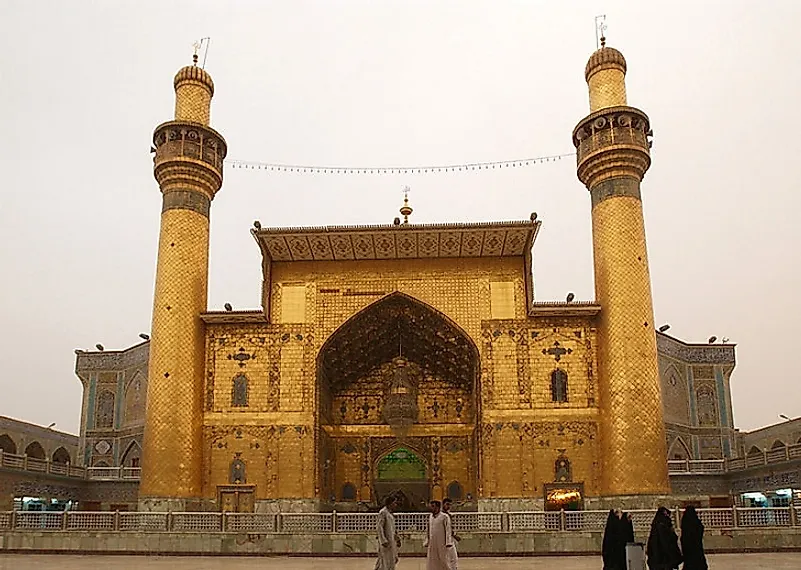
(239, 392)
(455, 491)
(559, 386)
(348, 492)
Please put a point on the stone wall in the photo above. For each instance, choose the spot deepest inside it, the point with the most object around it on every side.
(472, 544)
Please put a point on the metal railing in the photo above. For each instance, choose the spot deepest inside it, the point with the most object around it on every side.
(45, 466)
(365, 523)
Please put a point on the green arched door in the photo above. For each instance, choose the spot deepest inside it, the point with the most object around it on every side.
(403, 473)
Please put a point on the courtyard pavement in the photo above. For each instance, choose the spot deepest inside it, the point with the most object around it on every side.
(68, 562)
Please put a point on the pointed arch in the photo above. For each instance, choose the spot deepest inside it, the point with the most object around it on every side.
(679, 450)
(61, 455)
(778, 444)
(134, 399)
(132, 457)
(35, 450)
(239, 391)
(7, 444)
(398, 323)
(754, 450)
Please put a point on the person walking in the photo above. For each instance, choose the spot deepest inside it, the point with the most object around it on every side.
(663, 544)
(453, 555)
(692, 540)
(439, 539)
(388, 540)
(617, 533)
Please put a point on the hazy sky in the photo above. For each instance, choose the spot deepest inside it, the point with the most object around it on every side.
(83, 84)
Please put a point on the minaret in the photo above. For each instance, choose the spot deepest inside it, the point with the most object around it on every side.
(613, 154)
(188, 166)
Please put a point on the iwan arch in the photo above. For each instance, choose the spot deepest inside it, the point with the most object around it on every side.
(404, 358)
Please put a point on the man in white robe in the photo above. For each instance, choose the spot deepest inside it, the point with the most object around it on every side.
(388, 540)
(439, 540)
(453, 555)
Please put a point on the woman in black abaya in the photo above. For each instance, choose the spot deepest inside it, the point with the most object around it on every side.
(663, 544)
(618, 532)
(692, 541)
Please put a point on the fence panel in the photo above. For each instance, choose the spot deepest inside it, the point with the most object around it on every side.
(411, 522)
(760, 517)
(586, 520)
(197, 522)
(468, 521)
(39, 520)
(5, 520)
(357, 522)
(716, 518)
(79, 520)
(250, 522)
(301, 523)
(143, 522)
(535, 521)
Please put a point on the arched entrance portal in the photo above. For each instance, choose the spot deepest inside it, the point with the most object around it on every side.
(403, 474)
(397, 405)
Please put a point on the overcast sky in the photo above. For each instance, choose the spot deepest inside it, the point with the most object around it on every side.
(83, 84)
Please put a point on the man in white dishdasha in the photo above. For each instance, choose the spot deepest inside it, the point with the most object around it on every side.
(439, 539)
(388, 540)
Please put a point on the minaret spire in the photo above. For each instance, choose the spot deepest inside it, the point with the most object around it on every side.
(613, 155)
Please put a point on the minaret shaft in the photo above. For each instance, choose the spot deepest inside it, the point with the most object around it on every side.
(188, 167)
(613, 156)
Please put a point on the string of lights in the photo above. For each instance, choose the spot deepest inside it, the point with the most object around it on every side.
(431, 169)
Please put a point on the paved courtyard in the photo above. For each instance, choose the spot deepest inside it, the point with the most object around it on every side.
(66, 562)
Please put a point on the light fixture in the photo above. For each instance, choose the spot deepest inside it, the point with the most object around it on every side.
(664, 327)
(144, 336)
(570, 297)
(99, 347)
(712, 339)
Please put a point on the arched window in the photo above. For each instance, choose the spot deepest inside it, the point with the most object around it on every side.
(455, 491)
(348, 492)
(562, 470)
(104, 412)
(35, 450)
(7, 444)
(239, 391)
(559, 386)
(61, 455)
(707, 407)
(134, 402)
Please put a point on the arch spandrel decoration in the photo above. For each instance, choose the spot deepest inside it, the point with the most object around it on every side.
(7, 444)
(397, 324)
(679, 450)
(401, 464)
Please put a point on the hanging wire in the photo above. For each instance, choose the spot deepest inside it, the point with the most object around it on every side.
(431, 169)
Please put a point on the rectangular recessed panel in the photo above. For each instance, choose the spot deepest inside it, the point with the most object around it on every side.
(363, 246)
(502, 299)
(515, 242)
(450, 244)
(293, 303)
(428, 244)
(299, 246)
(471, 243)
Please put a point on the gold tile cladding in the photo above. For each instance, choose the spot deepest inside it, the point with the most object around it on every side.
(188, 161)
(613, 155)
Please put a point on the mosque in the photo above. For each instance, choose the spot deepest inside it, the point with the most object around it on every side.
(405, 358)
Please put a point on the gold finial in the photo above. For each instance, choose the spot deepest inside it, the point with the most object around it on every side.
(406, 209)
(196, 45)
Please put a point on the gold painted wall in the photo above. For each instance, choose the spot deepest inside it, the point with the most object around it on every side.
(275, 432)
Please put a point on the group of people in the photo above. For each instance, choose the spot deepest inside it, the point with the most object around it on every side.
(662, 549)
(440, 540)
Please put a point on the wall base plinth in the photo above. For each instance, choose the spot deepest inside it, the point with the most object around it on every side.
(631, 502)
(505, 505)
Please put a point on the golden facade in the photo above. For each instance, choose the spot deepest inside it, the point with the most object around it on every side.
(406, 358)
